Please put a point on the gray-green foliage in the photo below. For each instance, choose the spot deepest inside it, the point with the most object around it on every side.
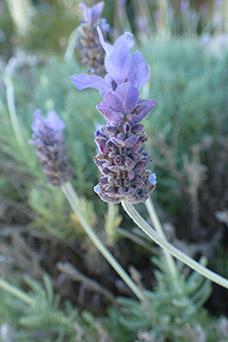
(190, 86)
(43, 200)
(44, 318)
(50, 27)
(167, 312)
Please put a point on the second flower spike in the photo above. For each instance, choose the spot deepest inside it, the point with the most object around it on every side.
(48, 140)
(88, 46)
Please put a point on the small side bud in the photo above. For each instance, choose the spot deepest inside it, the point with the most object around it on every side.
(48, 140)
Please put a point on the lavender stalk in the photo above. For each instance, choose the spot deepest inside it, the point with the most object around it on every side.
(158, 227)
(13, 64)
(12, 111)
(148, 230)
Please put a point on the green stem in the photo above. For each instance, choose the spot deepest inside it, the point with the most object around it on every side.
(168, 257)
(109, 223)
(141, 223)
(15, 291)
(12, 111)
(69, 53)
(74, 203)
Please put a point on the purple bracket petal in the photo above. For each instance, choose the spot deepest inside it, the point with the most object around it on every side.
(118, 57)
(83, 81)
(54, 121)
(85, 11)
(112, 116)
(113, 101)
(139, 70)
(118, 62)
(96, 11)
(131, 98)
(142, 109)
(107, 47)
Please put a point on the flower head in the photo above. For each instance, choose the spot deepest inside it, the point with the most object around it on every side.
(48, 139)
(88, 45)
(121, 159)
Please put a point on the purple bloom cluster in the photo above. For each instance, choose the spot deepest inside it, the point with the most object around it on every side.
(48, 139)
(121, 158)
(88, 46)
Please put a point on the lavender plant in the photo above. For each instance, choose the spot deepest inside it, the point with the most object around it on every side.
(90, 50)
(123, 110)
(36, 315)
(161, 315)
(121, 158)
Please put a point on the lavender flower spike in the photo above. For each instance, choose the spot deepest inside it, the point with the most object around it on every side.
(121, 159)
(88, 45)
(48, 139)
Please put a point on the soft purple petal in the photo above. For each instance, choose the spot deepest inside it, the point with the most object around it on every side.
(108, 80)
(139, 71)
(37, 120)
(84, 81)
(113, 101)
(131, 98)
(117, 63)
(131, 140)
(118, 142)
(85, 12)
(54, 121)
(129, 95)
(118, 56)
(107, 47)
(96, 11)
(112, 116)
(142, 109)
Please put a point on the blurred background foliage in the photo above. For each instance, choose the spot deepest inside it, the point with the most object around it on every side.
(185, 44)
